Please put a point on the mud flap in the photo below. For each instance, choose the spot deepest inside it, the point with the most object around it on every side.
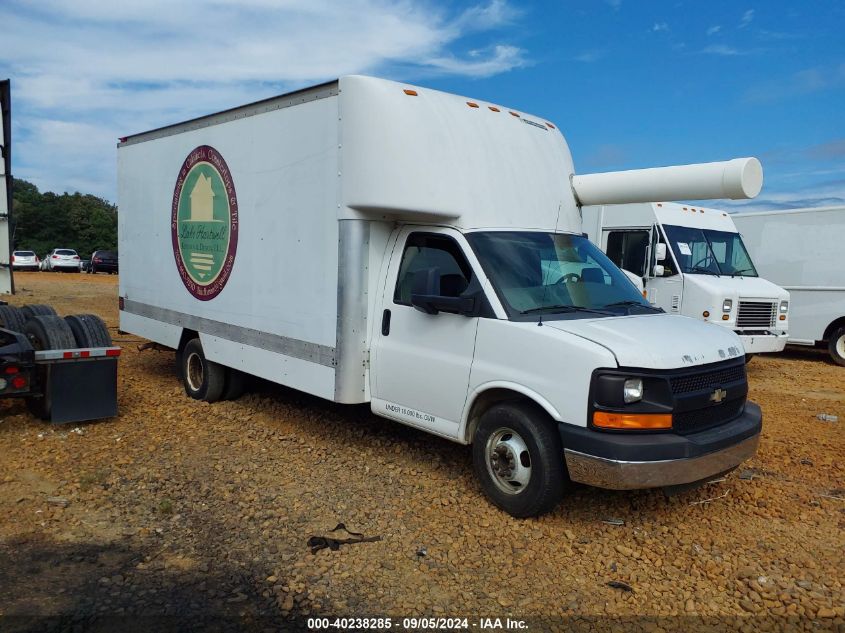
(82, 391)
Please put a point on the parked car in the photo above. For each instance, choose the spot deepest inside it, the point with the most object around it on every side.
(103, 262)
(25, 260)
(62, 259)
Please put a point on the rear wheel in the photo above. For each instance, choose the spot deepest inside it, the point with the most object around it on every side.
(89, 330)
(518, 458)
(37, 309)
(46, 332)
(235, 384)
(11, 318)
(748, 358)
(203, 379)
(836, 346)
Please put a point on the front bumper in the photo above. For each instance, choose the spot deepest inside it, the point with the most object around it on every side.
(763, 343)
(629, 461)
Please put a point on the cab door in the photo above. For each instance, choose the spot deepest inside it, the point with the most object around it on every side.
(421, 363)
(667, 289)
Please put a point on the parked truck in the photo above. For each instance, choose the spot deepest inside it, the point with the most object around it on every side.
(693, 262)
(802, 250)
(373, 242)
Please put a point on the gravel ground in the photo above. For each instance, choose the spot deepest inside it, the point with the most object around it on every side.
(199, 514)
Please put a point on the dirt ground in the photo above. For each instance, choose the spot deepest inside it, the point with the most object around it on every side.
(179, 515)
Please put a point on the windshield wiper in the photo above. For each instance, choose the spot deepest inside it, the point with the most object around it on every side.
(632, 303)
(742, 271)
(706, 271)
(563, 308)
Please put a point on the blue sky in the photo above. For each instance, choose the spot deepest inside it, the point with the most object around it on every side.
(630, 83)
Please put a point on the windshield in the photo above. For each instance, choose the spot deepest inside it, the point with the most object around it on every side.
(707, 251)
(65, 251)
(554, 273)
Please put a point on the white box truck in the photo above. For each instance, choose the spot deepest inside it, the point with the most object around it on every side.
(693, 262)
(803, 250)
(373, 242)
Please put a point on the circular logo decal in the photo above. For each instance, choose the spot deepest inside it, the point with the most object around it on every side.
(204, 223)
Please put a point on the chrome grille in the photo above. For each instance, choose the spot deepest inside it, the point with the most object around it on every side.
(757, 314)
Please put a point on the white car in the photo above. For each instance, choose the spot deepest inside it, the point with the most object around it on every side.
(25, 260)
(63, 259)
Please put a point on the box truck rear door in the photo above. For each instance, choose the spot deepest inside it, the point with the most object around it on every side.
(421, 362)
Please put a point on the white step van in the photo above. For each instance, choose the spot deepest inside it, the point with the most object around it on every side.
(373, 242)
(693, 262)
(804, 251)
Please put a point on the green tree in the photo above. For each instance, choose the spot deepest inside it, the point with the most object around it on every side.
(44, 221)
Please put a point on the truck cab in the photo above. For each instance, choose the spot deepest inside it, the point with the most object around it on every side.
(693, 262)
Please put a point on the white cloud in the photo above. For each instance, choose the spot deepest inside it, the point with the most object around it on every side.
(746, 18)
(121, 67)
(721, 49)
(714, 29)
(660, 26)
(589, 56)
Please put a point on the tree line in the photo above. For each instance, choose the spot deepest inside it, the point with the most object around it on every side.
(44, 221)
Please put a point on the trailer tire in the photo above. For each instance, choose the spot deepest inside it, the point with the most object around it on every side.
(235, 384)
(46, 332)
(202, 378)
(11, 318)
(748, 358)
(89, 330)
(518, 458)
(49, 331)
(37, 309)
(836, 346)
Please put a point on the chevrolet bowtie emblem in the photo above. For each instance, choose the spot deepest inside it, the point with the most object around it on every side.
(718, 395)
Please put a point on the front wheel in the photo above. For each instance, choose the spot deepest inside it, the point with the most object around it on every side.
(836, 346)
(518, 458)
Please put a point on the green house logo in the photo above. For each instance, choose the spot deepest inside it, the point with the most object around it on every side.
(204, 223)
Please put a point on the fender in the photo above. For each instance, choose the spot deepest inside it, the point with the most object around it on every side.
(509, 386)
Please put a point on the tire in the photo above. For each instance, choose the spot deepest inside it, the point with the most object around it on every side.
(202, 378)
(49, 332)
(748, 358)
(836, 346)
(37, 309)
(235, 384)
(518, 458)
(11, 318)
(89, 330)
(46, 332)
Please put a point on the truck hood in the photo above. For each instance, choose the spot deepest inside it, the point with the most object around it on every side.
(656, 341)
(727, 287)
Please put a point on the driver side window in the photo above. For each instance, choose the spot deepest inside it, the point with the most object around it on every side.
(427, 250)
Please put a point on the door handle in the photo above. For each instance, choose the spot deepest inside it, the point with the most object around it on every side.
(385, 323)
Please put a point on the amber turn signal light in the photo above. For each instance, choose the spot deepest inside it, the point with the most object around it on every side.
(608, 420)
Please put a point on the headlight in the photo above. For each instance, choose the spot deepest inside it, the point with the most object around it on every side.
(784, 307)
(727, 304)
(633, 390)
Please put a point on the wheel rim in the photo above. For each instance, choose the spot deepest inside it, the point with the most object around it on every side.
(508, 461)
(194, 371)
(840, 346)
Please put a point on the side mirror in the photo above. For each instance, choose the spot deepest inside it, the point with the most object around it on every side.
(426, 297)
(658, 270)
(660, 252)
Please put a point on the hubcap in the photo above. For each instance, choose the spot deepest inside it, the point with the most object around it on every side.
(840, 346)
(508, 461)
(195, 371)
